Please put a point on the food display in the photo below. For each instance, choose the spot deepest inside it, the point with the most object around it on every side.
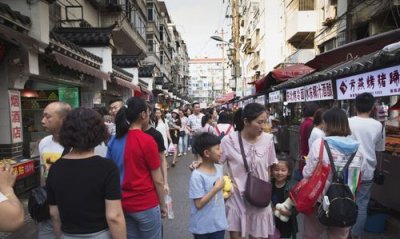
(392, 139)
(5, 162)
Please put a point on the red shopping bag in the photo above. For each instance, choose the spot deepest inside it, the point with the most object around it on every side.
(306, 192)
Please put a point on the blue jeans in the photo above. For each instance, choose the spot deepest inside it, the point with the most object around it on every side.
(183, 144)
(362, 198)
(145, 224)
(213, 235)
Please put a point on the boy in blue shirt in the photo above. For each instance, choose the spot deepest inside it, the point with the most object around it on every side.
(207, 218)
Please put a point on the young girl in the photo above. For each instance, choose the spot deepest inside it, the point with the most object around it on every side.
(281, 185)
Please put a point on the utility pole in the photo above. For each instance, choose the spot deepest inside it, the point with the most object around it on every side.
(236, 39)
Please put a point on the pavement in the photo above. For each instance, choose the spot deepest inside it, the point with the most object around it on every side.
(176, 228)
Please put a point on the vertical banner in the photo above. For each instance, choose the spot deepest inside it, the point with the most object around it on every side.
(15, 116)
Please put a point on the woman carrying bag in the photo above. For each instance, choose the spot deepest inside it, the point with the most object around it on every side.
(245, 219)
(342, 147)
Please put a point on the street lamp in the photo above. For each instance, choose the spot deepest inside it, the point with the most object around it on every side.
(235, 61)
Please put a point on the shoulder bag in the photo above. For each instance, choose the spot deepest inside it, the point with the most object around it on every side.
(257, 191)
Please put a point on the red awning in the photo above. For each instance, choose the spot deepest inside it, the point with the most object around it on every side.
(354, 49)
(225, 98)
(283, 74)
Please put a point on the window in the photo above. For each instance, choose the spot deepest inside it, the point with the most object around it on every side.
(161, 33)
(138, 22)
(306, 5)
(150, 14)
(161, 57)
(150, 45)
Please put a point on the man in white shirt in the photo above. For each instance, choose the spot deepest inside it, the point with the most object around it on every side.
(50, 151)
(371, 135)
(194, 122)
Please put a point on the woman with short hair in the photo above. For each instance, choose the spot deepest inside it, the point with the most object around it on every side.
(83, 188)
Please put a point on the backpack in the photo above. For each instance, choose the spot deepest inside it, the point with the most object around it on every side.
(222, 134)
(338, 208)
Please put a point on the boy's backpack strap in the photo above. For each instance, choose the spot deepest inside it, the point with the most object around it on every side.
(216, 129)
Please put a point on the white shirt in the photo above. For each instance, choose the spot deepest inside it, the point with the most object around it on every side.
(2, 197)
(50, 151)
(316, 133)
(194, 121)
(372, 138)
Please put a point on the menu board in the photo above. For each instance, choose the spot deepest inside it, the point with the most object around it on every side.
(274, 97)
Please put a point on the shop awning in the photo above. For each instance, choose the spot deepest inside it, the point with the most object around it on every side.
(354, 49)
(122, 82)
(78, 66)
(283, 74)
(225, 98)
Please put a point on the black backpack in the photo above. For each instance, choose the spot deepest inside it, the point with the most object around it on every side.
(342, 210)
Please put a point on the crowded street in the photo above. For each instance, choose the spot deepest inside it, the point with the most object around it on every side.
(211, 119)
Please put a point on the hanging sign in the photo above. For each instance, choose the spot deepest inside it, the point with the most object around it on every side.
(383, 82)
(15, 116)
(319, 91)
(295, 95)
(274, 97)
(260, 99)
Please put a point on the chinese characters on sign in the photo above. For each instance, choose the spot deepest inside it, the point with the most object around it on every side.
(260, 99)
(319, 91)
(383, 82)
(295, 95)
(274, 97)
(15, 116)
(24, 169)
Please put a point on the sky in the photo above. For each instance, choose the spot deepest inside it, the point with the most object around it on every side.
(197, 20)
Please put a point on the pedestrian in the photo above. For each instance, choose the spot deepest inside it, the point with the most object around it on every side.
(281, 185)
(114, 106)
(224, 125)
(337, 131)
(174, 133)
(207, 218)
(183, 134)
(304, 131)
(11, 209)
(194, 124)
(371, 135)
(148, 129)
(83, 188)
(50, 151)
(142, 185)
(317, 131)
(162, 126)
(243, 218)
(207, 125)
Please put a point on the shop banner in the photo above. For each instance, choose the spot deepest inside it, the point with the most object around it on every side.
(24, 169)
(274, 97)
(295, 95)
(319, 91)
(383, 82)
(260, 99)
(69, 95)
(15, 116)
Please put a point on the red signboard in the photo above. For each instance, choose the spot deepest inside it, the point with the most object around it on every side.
(24, 169)
(15, 116)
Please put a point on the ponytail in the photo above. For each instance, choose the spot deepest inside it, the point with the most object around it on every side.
(238, 123)
(205, 119)
(121, 123)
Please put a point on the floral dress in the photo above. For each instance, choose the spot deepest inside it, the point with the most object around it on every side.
(241, 216)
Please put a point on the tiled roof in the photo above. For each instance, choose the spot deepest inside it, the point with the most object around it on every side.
(127, 60)
(146, 71)
(7, 13)
(72, 46)
(121, 72)
(86, 36)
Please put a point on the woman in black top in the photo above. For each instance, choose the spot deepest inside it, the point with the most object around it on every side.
(83, 188)
(174, 132)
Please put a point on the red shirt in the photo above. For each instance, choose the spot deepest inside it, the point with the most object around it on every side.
(140, 158)
(304, 133)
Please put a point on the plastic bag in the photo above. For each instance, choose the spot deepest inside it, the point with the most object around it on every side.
(306, 192)
(169, 203)
(171, 148)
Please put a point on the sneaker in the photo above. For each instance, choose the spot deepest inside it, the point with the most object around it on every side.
(179, 154)
(190, 148)
(184, 153)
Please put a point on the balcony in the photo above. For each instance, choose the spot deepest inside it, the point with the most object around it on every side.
(125, 35)
(301, 27)
(254, 62)
(301, 56)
